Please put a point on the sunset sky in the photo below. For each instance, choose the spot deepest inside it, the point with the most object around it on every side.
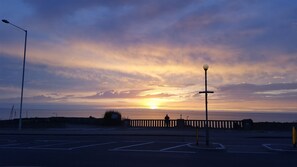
(150, 53)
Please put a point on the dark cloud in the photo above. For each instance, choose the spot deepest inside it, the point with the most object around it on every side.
(280, 91)
(61, 79)
(106, 21)
(259, 88)
(34, 99)
(11, 70)
(252, 26)
(40, 77)
(139, 9)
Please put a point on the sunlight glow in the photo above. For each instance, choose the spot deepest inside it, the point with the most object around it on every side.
(153, 103)
(153, 106)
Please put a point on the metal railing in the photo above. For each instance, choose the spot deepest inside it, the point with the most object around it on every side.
(214, 124)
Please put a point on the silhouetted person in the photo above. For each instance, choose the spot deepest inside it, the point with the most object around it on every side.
(167, 120)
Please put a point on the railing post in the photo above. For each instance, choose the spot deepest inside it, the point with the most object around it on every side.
(226, 124)
(220, 123)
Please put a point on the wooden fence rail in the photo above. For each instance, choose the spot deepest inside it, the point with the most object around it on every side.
(214, 124)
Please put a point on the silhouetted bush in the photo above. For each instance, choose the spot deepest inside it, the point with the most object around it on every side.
(247, 124)
(112, 118)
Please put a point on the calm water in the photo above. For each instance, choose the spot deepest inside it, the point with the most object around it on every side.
(159, 114)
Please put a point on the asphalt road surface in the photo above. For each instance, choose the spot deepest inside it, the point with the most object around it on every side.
(143, 150)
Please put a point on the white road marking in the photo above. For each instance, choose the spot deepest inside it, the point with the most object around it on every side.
(51, 140)
(155, 151)
(221, 147)
(169, 148)
(90, 145)
(185, 152)
(55, 144)
(32, 143)
(268, 146)
(165, 150)
(248, 152)
(134, 145)
(173, 142)
(34, 148)
(45, 147)
(134, 141)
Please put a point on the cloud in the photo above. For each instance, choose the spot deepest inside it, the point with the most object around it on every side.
(160, 95)
(34, 99)
(9, 91)
(109, 21)
(116, 94)
(279, 91)
(76, 48)
(128, 94)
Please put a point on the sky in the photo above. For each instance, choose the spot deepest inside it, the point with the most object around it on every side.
(150, 54)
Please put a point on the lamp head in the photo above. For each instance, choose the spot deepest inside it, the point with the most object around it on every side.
(205, 67)
(5, 21)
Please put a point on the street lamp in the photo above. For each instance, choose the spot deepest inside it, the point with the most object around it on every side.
(24, 63)
(205, 67)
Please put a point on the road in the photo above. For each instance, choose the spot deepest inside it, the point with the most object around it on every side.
(142, 150)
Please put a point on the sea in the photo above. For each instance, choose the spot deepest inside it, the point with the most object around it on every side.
(256, 116)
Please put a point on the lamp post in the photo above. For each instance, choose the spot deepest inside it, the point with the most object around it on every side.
(205, 67)
(24, 64)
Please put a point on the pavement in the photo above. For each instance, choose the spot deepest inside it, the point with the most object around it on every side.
(146, 132)
(166, 147)
(216, 135)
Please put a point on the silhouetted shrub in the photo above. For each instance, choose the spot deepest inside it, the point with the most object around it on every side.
(112, 118)
(247, 124)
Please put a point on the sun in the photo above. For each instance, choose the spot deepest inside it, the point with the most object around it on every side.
(153, 104)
